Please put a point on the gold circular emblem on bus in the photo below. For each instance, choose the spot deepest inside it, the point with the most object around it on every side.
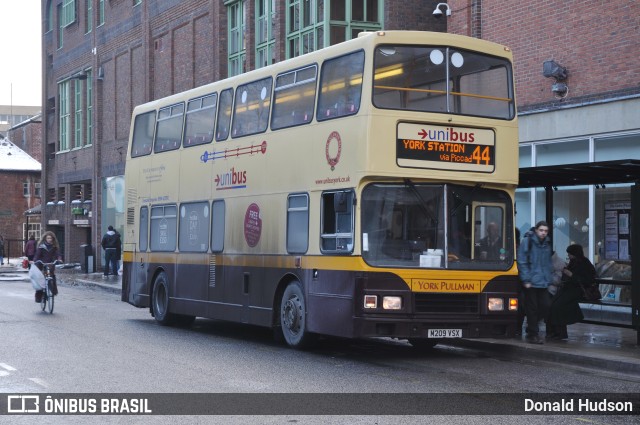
(333, 160)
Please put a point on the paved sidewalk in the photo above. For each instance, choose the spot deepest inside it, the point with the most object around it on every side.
(612, 349)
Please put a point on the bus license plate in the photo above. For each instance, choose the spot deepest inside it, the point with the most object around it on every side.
(445, 333)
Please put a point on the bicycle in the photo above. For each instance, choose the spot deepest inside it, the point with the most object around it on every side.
(48, 298)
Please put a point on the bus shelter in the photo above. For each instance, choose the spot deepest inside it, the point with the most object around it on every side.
(599, 174)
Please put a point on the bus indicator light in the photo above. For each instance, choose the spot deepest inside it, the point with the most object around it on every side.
(513, 304)
(370, 301)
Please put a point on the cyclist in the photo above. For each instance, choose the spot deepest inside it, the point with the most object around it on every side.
(48, 251)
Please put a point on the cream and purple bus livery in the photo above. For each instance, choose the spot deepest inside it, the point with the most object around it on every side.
(362, 190)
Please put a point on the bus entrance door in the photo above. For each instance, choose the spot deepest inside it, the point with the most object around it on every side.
(139, 287)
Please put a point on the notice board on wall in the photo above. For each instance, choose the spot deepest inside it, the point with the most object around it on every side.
(617, 230)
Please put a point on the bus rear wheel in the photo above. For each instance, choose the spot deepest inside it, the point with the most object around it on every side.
(160, 300)
(293, 317)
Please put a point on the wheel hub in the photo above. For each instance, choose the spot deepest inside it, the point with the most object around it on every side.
(290, 315)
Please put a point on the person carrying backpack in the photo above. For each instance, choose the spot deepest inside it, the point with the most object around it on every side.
(536, 274)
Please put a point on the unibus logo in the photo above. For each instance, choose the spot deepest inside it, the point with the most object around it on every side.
(449, 135)
(231, 180)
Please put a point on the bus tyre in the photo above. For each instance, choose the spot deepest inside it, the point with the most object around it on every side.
(423, 343)
(160, 301)
(293, 317)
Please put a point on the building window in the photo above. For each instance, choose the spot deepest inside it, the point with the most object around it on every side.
(25, 189)
(31, 229)
(88, 16)
(265, 32)
(49, 17)
(305, 27)
(348, 18)
(62, 195)
(51, 196)
(37, 189)
(89, 103)
(60, 26)
(65, 116)
(77, 142)
(68, 12)
(237, 50)
(100, 12)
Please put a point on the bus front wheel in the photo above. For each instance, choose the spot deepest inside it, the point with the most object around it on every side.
(160, 300)
(293, 317)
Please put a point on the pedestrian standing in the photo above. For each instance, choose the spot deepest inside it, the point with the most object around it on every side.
(521, 312)
(30, 248)
(111, 245)
(535, 268)
(1, 250)
(565, 306)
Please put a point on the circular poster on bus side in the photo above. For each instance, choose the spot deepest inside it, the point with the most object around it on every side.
(252, 225)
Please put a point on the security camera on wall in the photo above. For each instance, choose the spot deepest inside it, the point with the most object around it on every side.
(552, 69)
(437, 12)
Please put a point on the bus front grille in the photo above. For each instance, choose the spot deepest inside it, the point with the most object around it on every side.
(445, 303)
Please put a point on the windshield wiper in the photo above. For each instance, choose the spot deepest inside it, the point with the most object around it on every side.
(422, 204)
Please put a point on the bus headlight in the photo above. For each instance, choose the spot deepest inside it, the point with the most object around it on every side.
(496, 304)
(370, 301)
(391, 303)
(513, 304)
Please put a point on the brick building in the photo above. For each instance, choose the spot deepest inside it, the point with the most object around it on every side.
(591, 114)
(20, 183)
(27, 135)
(11, 115)
(101, 58)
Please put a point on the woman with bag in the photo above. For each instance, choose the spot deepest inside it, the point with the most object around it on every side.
(48, 251)
(565, 308)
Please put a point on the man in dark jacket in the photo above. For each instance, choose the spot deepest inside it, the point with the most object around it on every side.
(111, 245)
(536, 274)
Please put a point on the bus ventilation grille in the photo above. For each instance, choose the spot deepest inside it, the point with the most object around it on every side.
(212, 271)
(446, 303)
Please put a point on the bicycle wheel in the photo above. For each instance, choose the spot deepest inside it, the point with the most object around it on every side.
(50, 296)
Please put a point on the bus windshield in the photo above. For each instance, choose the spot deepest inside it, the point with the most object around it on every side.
(444, 80)
(403, 225)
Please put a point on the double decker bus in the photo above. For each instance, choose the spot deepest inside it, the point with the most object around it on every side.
(362, 190)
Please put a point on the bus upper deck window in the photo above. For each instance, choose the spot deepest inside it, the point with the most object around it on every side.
(340, 86)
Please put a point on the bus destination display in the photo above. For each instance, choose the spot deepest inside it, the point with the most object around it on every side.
(445, 148)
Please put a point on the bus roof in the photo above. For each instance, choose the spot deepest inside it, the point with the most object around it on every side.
(365, 40)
